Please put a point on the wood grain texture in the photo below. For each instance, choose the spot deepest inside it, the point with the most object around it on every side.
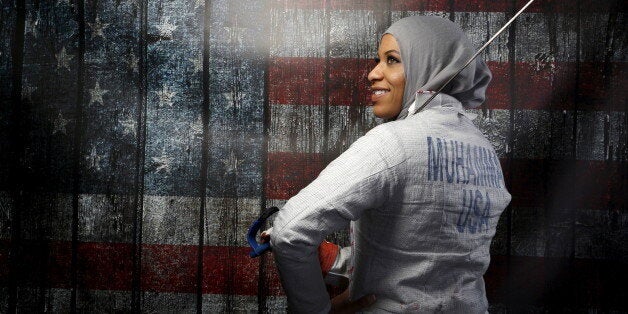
(275, 90)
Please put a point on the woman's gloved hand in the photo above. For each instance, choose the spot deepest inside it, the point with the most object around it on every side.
(265, 235)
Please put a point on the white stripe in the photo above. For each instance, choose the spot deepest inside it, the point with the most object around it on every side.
(228, 220)
(299, 129)
(220, 303)
(543, 134)
(108, 218)
(107, 301)
(297, 33)
(353, 34)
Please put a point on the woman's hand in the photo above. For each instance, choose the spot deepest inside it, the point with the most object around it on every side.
(341, 304)
(265, 236)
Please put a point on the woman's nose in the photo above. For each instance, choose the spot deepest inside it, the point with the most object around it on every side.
(375, 74)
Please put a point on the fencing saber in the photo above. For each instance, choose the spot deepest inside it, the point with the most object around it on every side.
(474, 56)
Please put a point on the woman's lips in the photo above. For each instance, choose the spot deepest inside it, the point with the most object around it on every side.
(378, 93)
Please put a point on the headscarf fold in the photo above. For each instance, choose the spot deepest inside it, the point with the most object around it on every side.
(432, 50)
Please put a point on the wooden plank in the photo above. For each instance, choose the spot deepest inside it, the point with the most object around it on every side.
(8, 15)
(174, 122)
(239, 47)
(173, 150)
(237, 98)
(49, 90)
(108, 144)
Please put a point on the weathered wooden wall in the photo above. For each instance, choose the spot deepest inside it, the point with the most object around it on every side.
(139, 139)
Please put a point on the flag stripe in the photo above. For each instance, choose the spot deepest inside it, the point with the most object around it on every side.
(296, 128)
(108, 274)
(552, 6)
(529, 234)
(301, 81)
(108, 266)
(355, 34)
(58, 301)
(176, 216)
(586, 184)
(558, 283)
(300, 129)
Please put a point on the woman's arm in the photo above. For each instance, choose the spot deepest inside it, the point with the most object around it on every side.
(361, 178)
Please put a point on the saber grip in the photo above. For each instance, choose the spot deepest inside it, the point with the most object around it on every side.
(259, 248)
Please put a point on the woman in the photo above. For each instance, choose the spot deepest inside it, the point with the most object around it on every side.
(422, 193)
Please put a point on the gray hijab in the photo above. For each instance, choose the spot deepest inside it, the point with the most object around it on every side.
(432, 50)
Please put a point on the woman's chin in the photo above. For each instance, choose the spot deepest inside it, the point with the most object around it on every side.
(382, 113)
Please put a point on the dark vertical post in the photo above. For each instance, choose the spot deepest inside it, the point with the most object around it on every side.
(17, 151)
(77, 149)
(204, 155)
(138, 201)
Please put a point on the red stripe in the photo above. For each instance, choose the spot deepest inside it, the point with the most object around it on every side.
(556, 282)
(229, 270)
(301, 81)
(535, 183)
(548, 6)
(569, 184)
(288, 173)
(165, 268)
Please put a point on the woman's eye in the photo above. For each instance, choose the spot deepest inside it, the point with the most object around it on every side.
(391, 60)
(376, 60)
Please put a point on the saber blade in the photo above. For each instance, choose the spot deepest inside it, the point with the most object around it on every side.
(476, 54)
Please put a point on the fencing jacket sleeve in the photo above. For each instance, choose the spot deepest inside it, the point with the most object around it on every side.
(363, 177)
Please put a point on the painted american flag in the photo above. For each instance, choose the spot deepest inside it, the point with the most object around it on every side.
(139, 139)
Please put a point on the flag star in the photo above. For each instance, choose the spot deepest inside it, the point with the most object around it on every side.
(236, 34)
(132, 61)
(229, 97)
(197, 63)
(96, 94)
(129, 126)
(162, 162)
(166, 95)
(93, 159)
(98, 27)
(63, 59)
(197, 126)
(59, 124)
(231, 162)
(166, 29)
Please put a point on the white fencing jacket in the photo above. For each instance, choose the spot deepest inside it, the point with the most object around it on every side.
(423, 196)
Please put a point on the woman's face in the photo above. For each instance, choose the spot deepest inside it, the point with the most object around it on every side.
(387, 79)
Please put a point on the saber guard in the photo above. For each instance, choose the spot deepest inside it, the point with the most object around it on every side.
(259, 248)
